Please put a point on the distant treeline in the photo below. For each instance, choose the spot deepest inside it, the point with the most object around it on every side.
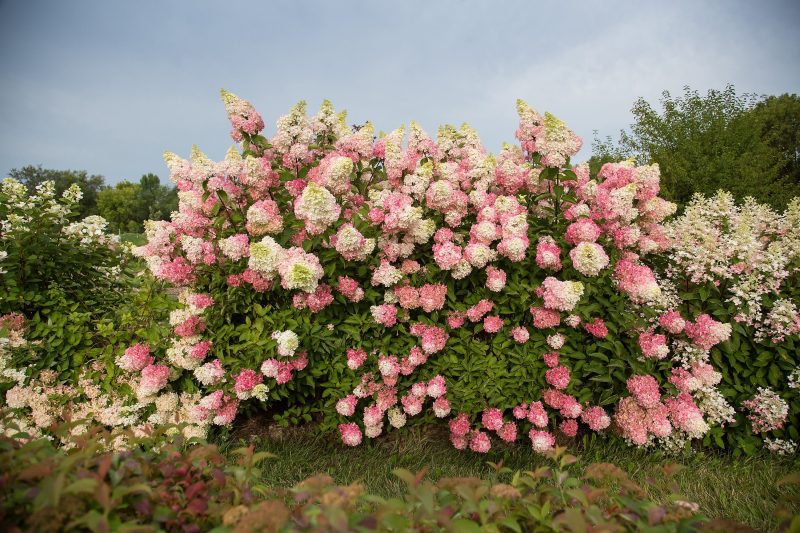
(125, 205)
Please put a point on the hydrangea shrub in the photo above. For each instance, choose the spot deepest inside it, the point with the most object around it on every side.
(370, 282)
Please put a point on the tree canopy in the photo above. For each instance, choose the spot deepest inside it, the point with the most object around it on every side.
(747, 144)
(127, 205)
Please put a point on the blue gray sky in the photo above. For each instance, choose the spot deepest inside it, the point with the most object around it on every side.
(108, 86)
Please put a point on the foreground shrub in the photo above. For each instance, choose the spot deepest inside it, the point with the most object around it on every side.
(160, 484)
(156, 481)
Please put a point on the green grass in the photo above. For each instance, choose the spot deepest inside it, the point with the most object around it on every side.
(743, 490)
(137, 239)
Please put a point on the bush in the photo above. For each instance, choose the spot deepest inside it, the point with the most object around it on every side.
(159, 483)
(326, 273)
(739, 264)
(44, 249)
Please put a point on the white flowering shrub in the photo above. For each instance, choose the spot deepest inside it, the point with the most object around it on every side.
(43, 248)
(739, 264)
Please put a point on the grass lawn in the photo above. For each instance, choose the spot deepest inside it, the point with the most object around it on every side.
(744, 489)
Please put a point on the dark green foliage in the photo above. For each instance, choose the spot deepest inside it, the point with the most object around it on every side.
(127, 205)
(743, 143)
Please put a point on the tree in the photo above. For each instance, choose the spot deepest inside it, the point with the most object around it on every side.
(718, 141)
(121, 206)
(158, 200)
(127, 205)
(779, 117)
(90, 185)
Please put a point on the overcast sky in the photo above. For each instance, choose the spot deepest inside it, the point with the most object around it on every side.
(108, 86)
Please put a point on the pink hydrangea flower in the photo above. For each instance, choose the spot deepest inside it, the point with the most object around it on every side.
(686, 416)
(235, 247)
(495, 279)
(569, 427)
(227, 413)
(154, 378)
(350, 289)
(548, 254)
(193, 325)
(706, 332)
(455, 320)
(460, 442)
(479, 442)
(407, 296)
(135, 358)
(645, 390)
(200, 350)
(583, 230)
(570, 407)
(385, 315)
(560, 295)
(492, 324)
(596, 418)
(436, 387)
(246, 380)
(597, 328)
(431, 297)
(210, 373)
(492, 418)
(432, 338)
(355, 358)
(537, 415)
(201, 301)
(351, 434)
(441, 407)
(551, 359)
(520, 334)
(558, 377)
(556, 341)
(672, 321)
(508, 432)
(347, 405)
(545, 318)
(637, 281)
(459, 425)
(541, 441)
(479, 310)
(412, 405)
(653, 345)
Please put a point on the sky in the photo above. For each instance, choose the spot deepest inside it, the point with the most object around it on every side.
(107, 87)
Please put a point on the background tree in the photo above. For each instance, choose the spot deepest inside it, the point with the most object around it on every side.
(91, 185)
(121, 206)
(158, 200)
(743, 143)
(779, 118)
(127, 205)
